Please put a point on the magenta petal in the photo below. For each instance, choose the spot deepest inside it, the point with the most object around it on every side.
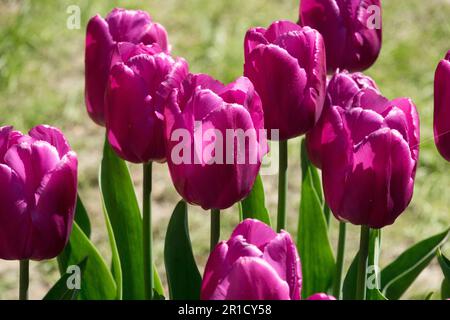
(380, 184)
(280, 82)
(442, 108)
(253, 38)
(278, 28)
(215, 270)
(15, 224)
(31, 163)
(52, 135)
(252, 279)
(255, 232)
(53, 217)
(281, 254)
(321, 296)
(134, 129)
(99, 44)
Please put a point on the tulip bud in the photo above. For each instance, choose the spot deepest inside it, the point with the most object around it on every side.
(442, 107)
(286, 63)
(215, 140)
(367, 147)
(351, 29)
(256, 263)
(101, 37)
(38, 183)
(138, 87)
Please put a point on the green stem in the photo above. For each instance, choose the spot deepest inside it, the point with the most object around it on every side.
(215, 228)
(337, 288)
(24, 279)
(282, 185)
(362, 263)
(147, 230)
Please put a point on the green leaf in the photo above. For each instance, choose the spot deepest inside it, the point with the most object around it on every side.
(398, 276)
(445, 289)
(349, 285)
(82, 218)
(254, 206)
(158, 287)
(116, 268)
(60, 290)
(124, 215)
(429, 296)
(97, 282)
(313, 244)
(183, 277)
(445, 266)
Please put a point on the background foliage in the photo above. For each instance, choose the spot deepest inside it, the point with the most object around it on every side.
(41, 81)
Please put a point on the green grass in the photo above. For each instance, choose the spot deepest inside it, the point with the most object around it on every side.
(41, 81)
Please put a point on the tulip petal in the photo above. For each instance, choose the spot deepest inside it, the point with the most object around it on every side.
(52, 218)
(380, 185)
(321, 296)
(442, 108)
(52, 135)
(14, 221)
(251, 279)
(281, 254)
(99, 44)
(255, 232)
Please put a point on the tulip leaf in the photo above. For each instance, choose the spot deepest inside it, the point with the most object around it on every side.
(397, 277)
(61, 290)
(445, 266)
(349, 285)
(254, 206)
(445, 289)
(183, 277)
(116, 268)
(82, 218)
(124, 215)
(305, 163)
(313, 243)
(97, 282)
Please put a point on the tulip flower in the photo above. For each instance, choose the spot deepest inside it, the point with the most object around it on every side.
(442, 107)
(321, 296)
(102, 35)
(286, 63)
(139, 84)
(342, 88)
(214, 141)
(368, 151)
(256, 263)
(38, 183)
(351, 29)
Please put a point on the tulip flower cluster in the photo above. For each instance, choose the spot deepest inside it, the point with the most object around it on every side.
(213, 137)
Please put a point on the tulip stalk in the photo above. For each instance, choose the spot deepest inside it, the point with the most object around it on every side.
(340, 260)
(24, 279)
(282, 185)
(362, 263)
(215, 228)
(147, 230)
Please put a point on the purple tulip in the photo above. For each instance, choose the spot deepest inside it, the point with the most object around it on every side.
(38, 183)
(367, 147)
(210, 165)
(286, 63)
(102, 35)
(256, 263)
(442, 107)
(321, 296)
(351, 29)
(139, 84)
(341, 90)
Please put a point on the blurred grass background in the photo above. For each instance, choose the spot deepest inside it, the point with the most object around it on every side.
(42, 81)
